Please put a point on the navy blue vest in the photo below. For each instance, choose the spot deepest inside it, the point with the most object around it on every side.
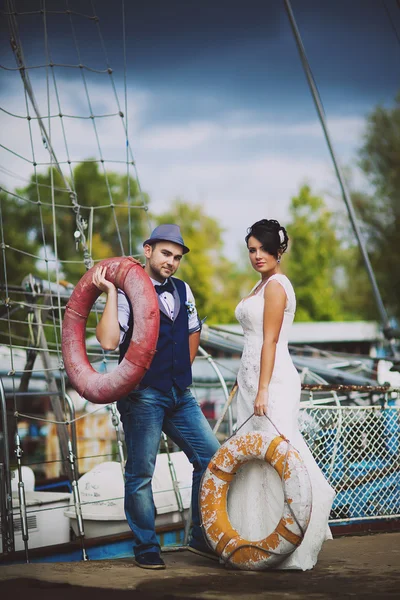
(171, 363)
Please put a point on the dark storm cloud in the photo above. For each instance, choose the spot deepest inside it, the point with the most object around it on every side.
(243, 51)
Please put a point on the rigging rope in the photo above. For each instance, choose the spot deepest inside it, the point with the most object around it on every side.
(391, 20)
(46, 126)
(387, 329)
(19, 56)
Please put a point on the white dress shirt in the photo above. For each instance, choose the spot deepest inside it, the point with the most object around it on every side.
(168, 302)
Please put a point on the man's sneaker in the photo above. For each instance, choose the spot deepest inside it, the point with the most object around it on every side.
(202, 550)
(149, 560)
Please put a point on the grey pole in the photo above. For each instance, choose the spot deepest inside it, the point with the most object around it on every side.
(343, 187)
(116, 424)
(73, 461)
(7, 524)
(21, 497)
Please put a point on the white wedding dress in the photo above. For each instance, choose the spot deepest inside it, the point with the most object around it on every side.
(255, 499)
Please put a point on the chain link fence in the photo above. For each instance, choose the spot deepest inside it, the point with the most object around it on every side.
(357, 447)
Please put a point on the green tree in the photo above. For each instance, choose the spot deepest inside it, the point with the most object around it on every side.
(216, 282)
(104, 208)
(30, 227)
(380, 211)
(19, 249)
(18, 258)
(313, 258)
(354, 289)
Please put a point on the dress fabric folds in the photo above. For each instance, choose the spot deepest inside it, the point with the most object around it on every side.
(255, 497)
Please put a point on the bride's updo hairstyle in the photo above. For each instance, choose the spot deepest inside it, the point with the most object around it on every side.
(271, 235)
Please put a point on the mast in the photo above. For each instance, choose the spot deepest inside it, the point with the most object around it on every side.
(386, 327)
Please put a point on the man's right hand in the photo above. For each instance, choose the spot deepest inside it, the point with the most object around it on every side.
(100, 281)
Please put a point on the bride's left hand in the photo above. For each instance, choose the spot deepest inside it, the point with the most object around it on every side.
(261, 404)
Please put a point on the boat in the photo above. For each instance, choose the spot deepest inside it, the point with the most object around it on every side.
(75, 450)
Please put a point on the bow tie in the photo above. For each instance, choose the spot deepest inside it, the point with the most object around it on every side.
(165, 287)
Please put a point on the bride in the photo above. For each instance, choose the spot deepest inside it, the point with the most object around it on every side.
(270, 385)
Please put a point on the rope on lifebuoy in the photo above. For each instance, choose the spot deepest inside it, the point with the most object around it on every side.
(102, 388)
(232, 549)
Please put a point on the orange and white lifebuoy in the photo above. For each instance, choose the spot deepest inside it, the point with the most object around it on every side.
(227, 543)
(102, 388)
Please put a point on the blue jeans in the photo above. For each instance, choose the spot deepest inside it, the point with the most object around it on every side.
(145, 414)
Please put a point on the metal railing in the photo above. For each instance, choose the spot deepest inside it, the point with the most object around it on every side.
(357, 448)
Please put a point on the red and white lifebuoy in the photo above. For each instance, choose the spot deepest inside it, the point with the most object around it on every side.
(102, 388)
(223, 538)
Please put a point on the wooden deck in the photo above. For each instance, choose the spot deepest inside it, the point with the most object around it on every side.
(349, 567)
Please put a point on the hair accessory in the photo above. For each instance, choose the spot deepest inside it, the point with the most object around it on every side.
(281, 236)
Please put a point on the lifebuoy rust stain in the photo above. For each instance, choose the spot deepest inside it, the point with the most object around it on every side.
(289, 533)
(102, 388)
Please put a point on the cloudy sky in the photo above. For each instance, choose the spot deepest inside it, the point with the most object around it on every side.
(219, 111)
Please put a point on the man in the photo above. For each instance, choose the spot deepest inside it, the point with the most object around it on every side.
(163, 400)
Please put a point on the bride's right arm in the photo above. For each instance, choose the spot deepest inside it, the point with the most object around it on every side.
(274, 308)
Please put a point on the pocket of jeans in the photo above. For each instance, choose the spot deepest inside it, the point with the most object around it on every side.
(138, 391)
(188, 396)
(143, 389)
(141, 395)
(123, 408)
